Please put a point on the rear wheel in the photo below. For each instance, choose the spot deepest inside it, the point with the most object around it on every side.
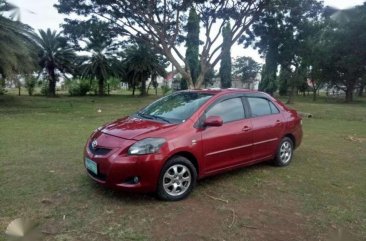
(284, 152)
(177, 179)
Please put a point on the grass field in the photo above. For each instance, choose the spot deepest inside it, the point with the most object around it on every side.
(320, 196)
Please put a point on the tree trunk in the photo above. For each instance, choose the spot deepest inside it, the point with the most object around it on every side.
(52, 82)
(100, 86)
(200, 80)
(19, 88)
(314, 94)
(349, 91)
(361, 89)
(143, 85)
(349, 95)
(185, 73)
(133, 84)
(290, 99)
(148, 88)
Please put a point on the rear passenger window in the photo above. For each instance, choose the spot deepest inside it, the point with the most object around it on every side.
(273, 108)
(261, 107)
(228, 110)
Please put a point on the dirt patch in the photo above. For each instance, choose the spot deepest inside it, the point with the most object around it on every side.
(205, 218)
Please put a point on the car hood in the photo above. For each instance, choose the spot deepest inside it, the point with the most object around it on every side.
(134, 128)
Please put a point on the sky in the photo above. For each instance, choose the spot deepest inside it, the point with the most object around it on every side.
(40, 14)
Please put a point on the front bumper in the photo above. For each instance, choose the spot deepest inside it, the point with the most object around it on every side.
(118, 170)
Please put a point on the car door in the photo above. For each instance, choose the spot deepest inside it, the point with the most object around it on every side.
(267, 126)
(231, 143)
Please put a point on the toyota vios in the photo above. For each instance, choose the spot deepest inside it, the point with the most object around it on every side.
(180, 138)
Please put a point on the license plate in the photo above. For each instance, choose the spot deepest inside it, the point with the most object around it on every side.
(91, 166)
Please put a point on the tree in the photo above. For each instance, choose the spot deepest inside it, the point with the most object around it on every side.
(17, 51)
(55, 56)
(345, 49)
(225, 67)
(315, 56)
(141, 63)
(98, 66)
(97, 38)
(278, 35)
(283, 80)
(246, 68)
(160, 24)
(362, 86)
(192, 44)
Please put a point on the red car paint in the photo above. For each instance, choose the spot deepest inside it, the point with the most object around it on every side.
(212, 149)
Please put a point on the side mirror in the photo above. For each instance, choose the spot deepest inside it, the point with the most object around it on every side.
(213, 121)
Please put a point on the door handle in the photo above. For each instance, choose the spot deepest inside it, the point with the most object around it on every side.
(246, 128)
(278, 121)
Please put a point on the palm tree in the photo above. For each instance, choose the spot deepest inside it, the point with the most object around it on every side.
(17, 51)
(140, 64)
(101, 64)
(55, 56)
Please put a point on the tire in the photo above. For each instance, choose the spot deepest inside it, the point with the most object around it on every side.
(177, 179)
(284, 152)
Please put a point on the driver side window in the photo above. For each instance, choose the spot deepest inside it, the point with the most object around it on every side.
(229, 110)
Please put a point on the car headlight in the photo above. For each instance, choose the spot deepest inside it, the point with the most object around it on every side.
(146, 146)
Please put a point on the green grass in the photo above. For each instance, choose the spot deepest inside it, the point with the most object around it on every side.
(42, 176)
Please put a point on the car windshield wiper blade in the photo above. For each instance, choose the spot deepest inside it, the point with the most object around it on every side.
(146, 116)
(161, 118)
(151, 117)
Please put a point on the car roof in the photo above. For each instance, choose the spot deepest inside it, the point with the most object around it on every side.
(223, 91)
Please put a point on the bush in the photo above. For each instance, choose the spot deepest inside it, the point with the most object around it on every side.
(79, 88)
(44, 88)
(30, 84)
(165, 89)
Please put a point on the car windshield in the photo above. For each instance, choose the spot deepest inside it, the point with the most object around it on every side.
(174, 108)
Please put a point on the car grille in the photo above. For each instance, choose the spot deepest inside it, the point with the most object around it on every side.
(99, 150)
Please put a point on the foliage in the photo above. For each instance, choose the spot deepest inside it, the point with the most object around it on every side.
(209, 77)
(160, 25)
(269, 80)
(246, 68)
(114, 83)
(98, 40)
(79, 87)
(17, 51)
(44, 89)
(279, 34)
(30, 84)
(55, 55)
(192, 44)
(345, 53)
(284, 78)
(165, 89)
(183, 84)
(225, 67)
(140, 63)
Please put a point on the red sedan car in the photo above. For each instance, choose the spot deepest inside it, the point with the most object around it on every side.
(180, 138)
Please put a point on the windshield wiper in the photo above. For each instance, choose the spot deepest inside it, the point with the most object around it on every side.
(143, 115)
(152, 117)
(161, 118)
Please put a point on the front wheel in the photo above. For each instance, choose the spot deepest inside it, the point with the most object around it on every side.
(177, 179)
(284, 152)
